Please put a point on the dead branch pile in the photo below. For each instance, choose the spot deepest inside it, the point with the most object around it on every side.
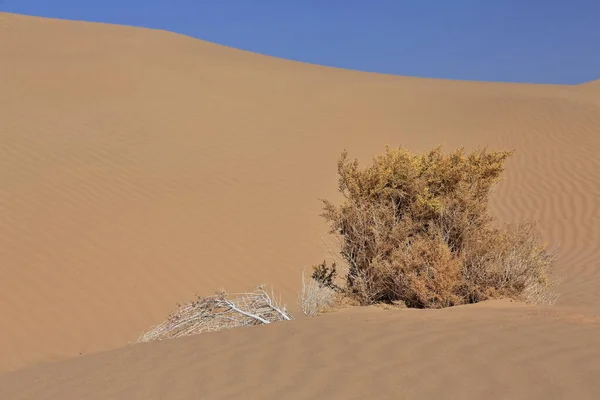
(218, 312)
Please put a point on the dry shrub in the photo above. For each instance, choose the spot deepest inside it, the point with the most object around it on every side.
(218, 312)
(513, 263)
(416, 229)
(318, 294)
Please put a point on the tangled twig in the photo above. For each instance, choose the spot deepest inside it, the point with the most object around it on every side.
(218, 312)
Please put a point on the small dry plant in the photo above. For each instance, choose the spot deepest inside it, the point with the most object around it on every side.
(218, 312)
(416, 229)
(316, 295)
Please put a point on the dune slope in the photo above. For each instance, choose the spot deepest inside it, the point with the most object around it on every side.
(139, 167)
(493, 351)
(592, 83)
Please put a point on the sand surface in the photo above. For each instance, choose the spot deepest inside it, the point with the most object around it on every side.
(139, 168)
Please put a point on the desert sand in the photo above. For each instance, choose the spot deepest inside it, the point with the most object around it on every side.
(139, 168)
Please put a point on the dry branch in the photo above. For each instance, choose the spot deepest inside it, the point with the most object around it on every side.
(218, 312)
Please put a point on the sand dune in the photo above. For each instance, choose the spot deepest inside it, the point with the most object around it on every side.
(482, 352)
(592, 83)
(139, 167)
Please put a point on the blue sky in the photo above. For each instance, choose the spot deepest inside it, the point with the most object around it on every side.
(541, 41)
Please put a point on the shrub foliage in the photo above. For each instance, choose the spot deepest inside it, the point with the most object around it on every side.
(416, 228)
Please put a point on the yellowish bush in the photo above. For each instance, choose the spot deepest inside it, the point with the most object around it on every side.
(416, 228)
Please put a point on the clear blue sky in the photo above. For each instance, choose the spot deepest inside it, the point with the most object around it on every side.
(545, 41)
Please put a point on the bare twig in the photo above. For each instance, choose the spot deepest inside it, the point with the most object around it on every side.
(221, 311)
(234, 308)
